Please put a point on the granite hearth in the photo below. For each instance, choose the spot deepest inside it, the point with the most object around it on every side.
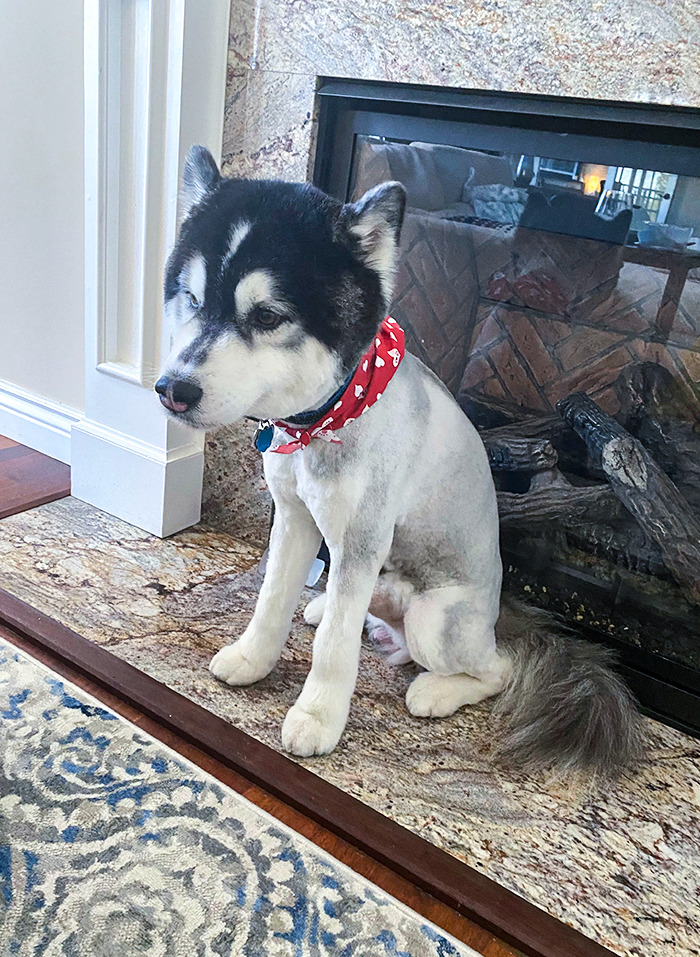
(620, 866)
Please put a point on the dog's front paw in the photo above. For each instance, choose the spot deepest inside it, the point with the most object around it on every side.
(232, 666)
(306, 733)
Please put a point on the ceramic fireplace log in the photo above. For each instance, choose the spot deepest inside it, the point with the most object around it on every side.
(643, 488)
(501, 421)
(509, 451)
(491, 415)
(658, 412)
(623, 543)
(563, 504)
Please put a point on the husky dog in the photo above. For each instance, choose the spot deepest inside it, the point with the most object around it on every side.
(276, 291)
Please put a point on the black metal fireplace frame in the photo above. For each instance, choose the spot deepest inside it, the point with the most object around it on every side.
(599, 131)
(563, 127)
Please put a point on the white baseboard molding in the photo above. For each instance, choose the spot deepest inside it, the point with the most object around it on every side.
(141, 484)
(37, 422)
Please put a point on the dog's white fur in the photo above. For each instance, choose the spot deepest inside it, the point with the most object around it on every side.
(384, 503)
(256, 379)
(194, 277)
(256, 288)
(237, 235)
(406, 505)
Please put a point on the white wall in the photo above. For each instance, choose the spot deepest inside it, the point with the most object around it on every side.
(41, 199)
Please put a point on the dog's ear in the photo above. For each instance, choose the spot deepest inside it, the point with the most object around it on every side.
(371, 228)
(200, 177)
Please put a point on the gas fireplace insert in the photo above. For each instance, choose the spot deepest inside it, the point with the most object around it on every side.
(550, 275)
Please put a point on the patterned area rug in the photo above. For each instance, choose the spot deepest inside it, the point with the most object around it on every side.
(112, 845)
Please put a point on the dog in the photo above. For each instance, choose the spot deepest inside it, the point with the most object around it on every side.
(276, 292)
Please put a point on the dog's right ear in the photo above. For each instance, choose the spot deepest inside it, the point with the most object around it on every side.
(200, 177)
(371, 228)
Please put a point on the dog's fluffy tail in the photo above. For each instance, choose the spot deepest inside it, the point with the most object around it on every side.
(564, 709)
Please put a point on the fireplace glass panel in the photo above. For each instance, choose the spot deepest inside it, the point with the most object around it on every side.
(524, 279)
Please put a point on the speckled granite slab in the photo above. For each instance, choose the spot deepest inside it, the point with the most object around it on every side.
(635, 50)
(639, 51)
(621, 868)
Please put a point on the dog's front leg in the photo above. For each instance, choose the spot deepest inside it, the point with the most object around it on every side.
(315, 723)
(294, 544)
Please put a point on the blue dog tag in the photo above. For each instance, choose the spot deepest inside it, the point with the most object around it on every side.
(263, 436)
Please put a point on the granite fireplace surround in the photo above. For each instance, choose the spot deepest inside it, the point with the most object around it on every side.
(639, 51)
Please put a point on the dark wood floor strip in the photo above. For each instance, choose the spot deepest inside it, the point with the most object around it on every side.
(29, 478)
(456, 884)
(15, 452)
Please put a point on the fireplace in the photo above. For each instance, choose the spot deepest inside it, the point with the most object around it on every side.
(550, 275)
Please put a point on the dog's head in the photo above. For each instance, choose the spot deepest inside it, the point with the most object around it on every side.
(273, 290)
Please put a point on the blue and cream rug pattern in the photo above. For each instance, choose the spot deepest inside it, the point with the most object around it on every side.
(112, 845)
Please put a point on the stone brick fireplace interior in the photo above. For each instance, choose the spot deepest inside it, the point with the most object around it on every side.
(549, 272)
(529, 274)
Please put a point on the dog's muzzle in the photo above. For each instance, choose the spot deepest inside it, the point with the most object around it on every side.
(178, 395)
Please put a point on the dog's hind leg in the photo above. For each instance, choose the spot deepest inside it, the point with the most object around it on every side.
(436, 696)
(449, 631)
(385, 620)
(294, 543)
(388, 638)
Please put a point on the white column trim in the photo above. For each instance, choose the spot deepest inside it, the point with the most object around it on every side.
(145, 485)
(155, 79)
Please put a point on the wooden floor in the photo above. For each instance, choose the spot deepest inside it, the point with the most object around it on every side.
(445, 917)
(28, 478)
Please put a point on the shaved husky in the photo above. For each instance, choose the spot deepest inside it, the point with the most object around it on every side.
(276, 291)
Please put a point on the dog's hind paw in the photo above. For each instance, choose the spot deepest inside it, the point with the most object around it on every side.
(230, 665)
(388, 641)
(306, 733)
(428, 696)
(313, 613)
(437, 696)
(402, 656)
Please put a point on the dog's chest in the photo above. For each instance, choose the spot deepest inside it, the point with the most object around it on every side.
(326, 480)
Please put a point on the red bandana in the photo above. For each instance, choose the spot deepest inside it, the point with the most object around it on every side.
(373, 374)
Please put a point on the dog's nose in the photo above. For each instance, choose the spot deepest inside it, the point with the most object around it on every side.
(178, 395)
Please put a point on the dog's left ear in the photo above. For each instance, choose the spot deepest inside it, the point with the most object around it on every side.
(200, 177)
(371, 228)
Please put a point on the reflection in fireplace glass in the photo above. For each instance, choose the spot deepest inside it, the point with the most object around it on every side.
(559, 301)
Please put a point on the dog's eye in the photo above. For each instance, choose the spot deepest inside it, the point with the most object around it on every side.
(267, 318)
(193, 301)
